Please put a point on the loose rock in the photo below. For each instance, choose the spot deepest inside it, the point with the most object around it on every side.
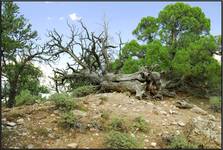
(30, 146)
(79, 113)
(153, 144)
(72, 145)
(20, 121)
(11, 124)
(163, 112)
(181, 124)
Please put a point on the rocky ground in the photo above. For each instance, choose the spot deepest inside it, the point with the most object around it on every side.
(36, 126)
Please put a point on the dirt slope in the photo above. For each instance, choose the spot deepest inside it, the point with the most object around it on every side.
(37, 125)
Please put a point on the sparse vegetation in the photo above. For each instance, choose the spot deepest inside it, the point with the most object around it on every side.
(63, 101)
(25, 98)
(41, 131)
(181, 142)
(215, 104)
(84, 90)
(105, 114)
(118, 124)
(118, 140)
(140, 124)
(68, 120)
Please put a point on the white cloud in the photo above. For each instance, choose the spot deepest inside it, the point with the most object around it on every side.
(74, 17)
(61, 18)
(49, 18)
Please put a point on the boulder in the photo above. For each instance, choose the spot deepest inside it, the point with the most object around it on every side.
(199, 110)
(208, 128)
(183, 104)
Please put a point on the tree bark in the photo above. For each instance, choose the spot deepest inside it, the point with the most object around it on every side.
(12, 95)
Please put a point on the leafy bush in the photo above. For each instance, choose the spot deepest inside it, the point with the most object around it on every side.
(25, 98)
(118, 124)
(84, 90)
(68, 120)
(141, 124)
(215, 104)
(119, 140)
(63, 101)
(179, 142)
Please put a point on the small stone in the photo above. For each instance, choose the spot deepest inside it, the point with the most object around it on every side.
(181, 124)
(133, 135)
(49, 129)
(30, 146)
(56, 112)
(174, 123)
(72, 145)
(93, 129)
(11, 124)
(51, 136)
(177, 132)
(146, 140)
(28, 119)
(55, 129)
(24, 134)
(163, 112)
(4, 120)
(114, 105)
(52, 115)
(211, 117)
(96, 134)
(20, 121)
(172, 112)
(153, 144)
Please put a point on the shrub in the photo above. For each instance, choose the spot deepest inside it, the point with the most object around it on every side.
(118, 140)
(141, 124)
(84, 90)
(25, 98)
(63, 101)
(69, 120)
(118, 124)
(215, 104)
(180, 142)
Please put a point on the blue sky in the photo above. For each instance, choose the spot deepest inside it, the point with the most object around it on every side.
(123, 16)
